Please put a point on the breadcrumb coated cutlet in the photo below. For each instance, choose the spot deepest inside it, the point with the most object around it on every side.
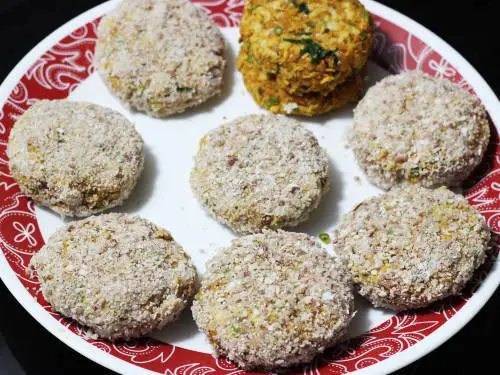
(260, 171)
(305, 50)
(417, 128)
(274, 300)
(412, 246)
(76, 158)
(160, 56)
(119, 275)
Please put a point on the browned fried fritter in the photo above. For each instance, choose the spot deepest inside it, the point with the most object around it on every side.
(304, 57)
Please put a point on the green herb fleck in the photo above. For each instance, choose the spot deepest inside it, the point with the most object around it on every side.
(303, 8)
(139, 90)
(271, 101)
(390, 231)
(278, 30)
(325, 238)
(236, 329)
(366, 15)
(250, 57)
(307, 33)
(314, 50)
(414, 172)
(83, 298)
(184, 89)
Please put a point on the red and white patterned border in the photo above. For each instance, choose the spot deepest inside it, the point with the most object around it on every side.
(63, 67)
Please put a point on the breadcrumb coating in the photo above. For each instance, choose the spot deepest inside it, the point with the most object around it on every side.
(160, 56)
(76, 158)
(274, 300)
(119, 275)
(260, 171)
(413, 127)
(412, 246)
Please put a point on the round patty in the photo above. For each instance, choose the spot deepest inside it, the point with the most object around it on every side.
(260, 171)
(160, 57)
(277, 100)
(414, 127)
(299, 56)
(76, 158)
(119, 275)
(274, 300)
(412, 246)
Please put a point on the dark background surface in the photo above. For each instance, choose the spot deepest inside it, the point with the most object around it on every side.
(470, 26)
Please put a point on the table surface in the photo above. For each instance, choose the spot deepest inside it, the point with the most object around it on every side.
(471, 27)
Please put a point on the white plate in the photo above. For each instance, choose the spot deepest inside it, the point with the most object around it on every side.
(163, 194)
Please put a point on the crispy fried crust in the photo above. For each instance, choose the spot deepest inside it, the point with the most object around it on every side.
(304, 62)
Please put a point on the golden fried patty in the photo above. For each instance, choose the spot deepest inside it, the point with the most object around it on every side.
(269, 95)
(295, 54)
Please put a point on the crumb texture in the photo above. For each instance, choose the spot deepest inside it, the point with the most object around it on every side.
(76, 158)
(413, 127)
(412, 246)
(160, 56)
(260, 171)
(304, 57)
(274, 300)
(119, 275)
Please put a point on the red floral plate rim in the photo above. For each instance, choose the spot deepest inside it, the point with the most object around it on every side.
(55, 67)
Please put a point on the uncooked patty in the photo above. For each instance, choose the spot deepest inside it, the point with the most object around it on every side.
(412, 246)
(121, 276)
(160, 56)
(414, 127)
(274, 300)
(260, 171)
(76, 158)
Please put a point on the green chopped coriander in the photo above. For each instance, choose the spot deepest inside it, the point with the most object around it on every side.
(139, 90)
(184, 89)
(271, 101)
(250, 57)
(325, 238)
(414, 172)
(314, 50)
(390, 231)
(278, 30)
(303, 8)
(236, 329)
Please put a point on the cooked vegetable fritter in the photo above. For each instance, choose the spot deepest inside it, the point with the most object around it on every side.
(304, 57)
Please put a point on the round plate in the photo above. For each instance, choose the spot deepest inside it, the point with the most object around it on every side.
(379, 341)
